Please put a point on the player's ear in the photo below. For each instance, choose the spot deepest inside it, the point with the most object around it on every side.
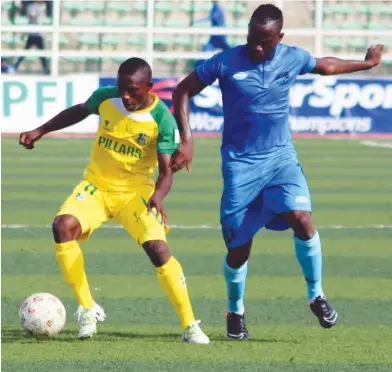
(150, 84)
(281, 36)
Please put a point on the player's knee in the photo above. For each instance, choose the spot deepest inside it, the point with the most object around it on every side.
(66, 228)
(157, 251)
(238, 256)
(303, 227)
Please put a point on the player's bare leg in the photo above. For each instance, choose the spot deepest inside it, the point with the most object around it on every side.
(66, 231)
(308, 252)
(172, 280)
(235, 270)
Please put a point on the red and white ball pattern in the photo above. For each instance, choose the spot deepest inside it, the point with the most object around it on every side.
(42, 314)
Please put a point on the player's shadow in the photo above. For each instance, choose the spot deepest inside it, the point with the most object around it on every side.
(223, 338)
(113, 335)
(10, 336)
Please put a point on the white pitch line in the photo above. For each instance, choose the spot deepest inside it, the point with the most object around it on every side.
(386, 145)
(202, 227)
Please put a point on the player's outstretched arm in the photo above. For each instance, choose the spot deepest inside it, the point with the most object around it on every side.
(185, 90)
(162, 186)
(334, 66)
(64, 119)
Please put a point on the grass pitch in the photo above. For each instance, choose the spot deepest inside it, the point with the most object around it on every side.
(351, 187)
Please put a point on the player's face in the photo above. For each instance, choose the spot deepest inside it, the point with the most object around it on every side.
(134, 90)
(262, 39)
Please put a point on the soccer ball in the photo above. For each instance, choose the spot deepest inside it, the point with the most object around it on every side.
(42, 314)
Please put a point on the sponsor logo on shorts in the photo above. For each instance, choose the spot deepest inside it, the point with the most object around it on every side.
(301, 199)
(240, 76)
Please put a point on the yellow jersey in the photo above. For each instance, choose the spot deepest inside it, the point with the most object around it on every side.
(125, 151)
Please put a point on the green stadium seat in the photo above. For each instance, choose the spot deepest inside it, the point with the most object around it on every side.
(170, 61)
(188, 7)
(119, 6)
(118, 60)
(364, 9)
(63, 41)
(343, 8)
(112, 40)
(136, 39)
(6, 5)
(161, 41)
(203, 39)
(5, 21)
(357, 43)
(377, 25)
(202, 6)
(80, 21)
(202, 25)
(89, 39)
(330, 25)
(95, 6)
(334, 42)
(9, 39)
(164, 7)
(176, 23)
(140, 6)
(47, 21)
(327, 9)
(374, 9)
(184, 40)
(72, 6)
(387, 42)
(387, 62)
(242, 23)
(126, 22)
(386, 9)
(236, 8)
(21, 21)
(351, 25)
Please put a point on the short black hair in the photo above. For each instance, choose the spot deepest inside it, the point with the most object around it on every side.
(134, 64)
(267, 13)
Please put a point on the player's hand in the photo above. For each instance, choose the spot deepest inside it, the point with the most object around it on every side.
(182, 157)
(156, 202)
(374, 54)
(27, 139)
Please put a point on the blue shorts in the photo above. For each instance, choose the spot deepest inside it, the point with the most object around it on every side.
(247, 208)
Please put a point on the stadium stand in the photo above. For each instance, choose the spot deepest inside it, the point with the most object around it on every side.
(336, 15)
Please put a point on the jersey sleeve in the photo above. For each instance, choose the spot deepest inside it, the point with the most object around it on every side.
(210, 70)
(306, 61)
(99, 96)
(168, 134)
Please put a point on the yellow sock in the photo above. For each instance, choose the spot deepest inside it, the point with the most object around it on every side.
(71, 262)
(172, 280)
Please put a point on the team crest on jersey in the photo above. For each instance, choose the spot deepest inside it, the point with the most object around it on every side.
(80, 196)
(142, 139)
(240, 75)
(282, 78)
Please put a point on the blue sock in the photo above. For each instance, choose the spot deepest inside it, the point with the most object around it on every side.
(309, 256)
(235, 283)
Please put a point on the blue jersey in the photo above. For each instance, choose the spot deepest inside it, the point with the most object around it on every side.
(255, 98)
(261, 175)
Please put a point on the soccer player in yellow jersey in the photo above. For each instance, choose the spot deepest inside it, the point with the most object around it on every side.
(136, 134)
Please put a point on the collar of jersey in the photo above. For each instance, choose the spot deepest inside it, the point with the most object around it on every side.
(149, 108)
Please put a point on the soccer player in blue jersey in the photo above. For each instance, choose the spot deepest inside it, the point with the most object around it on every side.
(264, 185)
